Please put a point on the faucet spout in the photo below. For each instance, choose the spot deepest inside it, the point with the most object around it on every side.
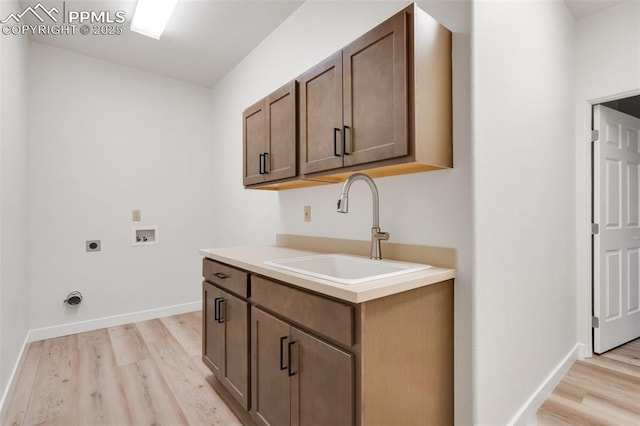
(343, 207)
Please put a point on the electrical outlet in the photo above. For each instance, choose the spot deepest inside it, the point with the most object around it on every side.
(135, 215)
(307, 213)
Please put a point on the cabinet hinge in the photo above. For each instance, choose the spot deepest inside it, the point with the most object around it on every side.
(595, 322)
(595, 135)
(595, 229)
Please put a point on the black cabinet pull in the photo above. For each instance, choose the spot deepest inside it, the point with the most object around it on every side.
(282, 366)
(216, 309)
(290, 371)
(344, 140)
(261, 164)
(335, 141)
(264, 158)
(220, 317)
(220, 275)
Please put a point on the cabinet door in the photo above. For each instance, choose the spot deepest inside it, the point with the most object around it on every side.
(321, 116)
(376, 94)
(282, 150)
(270, 389)
(234, 314)
(254, 135)
(322, 387)
(212, 331)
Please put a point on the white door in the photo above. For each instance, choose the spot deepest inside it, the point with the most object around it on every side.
(616, 209)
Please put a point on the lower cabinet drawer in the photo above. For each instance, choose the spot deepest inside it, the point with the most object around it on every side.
(330, 318)
(225, 276)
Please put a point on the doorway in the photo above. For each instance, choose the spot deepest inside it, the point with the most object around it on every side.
(616, 218)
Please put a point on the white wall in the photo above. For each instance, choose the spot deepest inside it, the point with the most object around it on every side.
(105, 140)
(607, 67)
(428, 209)
(523, 188)
(14, 200)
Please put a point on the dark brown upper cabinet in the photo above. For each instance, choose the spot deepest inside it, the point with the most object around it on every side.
(382, 105)
(353, 106)
(270, 137)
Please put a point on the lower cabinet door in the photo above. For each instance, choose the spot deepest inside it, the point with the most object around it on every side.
(270, 387)
(213, 331)
(225, 340)
(234, 316)
(322, 384)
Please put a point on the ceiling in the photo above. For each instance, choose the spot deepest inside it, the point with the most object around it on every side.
(582, 8)
(203, 41)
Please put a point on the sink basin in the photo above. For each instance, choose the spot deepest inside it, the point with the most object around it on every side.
(346, 269)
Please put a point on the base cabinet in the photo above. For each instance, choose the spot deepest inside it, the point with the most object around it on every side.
(297, 378)
(294, 357)
(226, 340)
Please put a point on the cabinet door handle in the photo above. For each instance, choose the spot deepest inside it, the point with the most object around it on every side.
(216, 309)
(344, 140)
(282, 366)
(290, 371)
(220, 275)
(335, 142)
(261, 164)
(266, 170)
(220, 317)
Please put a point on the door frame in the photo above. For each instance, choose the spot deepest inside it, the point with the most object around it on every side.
(584, 205)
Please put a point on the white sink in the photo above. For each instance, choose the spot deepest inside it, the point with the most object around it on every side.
(346, 269)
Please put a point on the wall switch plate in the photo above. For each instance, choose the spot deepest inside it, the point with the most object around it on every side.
(93, 245)
(307, 213)
(135, 215)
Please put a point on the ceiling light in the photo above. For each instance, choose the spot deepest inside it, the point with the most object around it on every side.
(151, 17)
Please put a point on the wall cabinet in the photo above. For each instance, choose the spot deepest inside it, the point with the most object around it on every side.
(353, 106)
(382, 104)
(270, 137)
(298, 379)
(225, 337)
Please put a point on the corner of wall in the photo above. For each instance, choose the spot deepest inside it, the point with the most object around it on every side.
(527, 413)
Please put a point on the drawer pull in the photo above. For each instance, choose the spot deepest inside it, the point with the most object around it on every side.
(290, 371)
(282, 366)
(220, 275)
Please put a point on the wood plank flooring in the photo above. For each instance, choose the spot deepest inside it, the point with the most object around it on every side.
(603, 390)
(148, 373)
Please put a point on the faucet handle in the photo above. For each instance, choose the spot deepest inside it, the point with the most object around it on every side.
(378, 234)
(382, 236)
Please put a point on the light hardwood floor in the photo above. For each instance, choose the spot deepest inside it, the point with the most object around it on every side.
(603, 390)
(147, 373)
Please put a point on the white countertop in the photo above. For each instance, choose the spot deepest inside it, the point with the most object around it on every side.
(252, 258)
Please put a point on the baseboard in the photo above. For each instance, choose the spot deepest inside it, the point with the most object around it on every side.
(8, 390)
(527, 415)
(98, 323)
